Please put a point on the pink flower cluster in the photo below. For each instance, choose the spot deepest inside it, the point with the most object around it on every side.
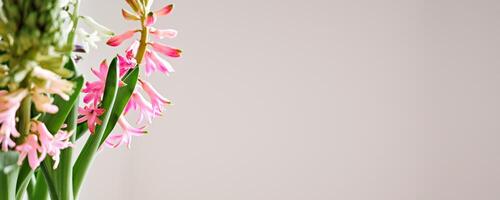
(41, 142)
(147, 108)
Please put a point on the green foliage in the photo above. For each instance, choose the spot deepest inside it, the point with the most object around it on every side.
(8, 175)
(124, 93)
(88, 152)
(31, 35)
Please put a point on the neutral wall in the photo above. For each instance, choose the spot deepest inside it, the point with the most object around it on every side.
(317, 100)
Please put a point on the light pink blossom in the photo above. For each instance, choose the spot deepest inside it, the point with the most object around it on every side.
(157, 100)
(30, 149)
(54, 84)
(166, 33)
(90, 114)
(9, 104)
(125, 137)
(119, 39)
(51, 144)
(166, 50)
(145, 109)
(161, 64)
(150, 63)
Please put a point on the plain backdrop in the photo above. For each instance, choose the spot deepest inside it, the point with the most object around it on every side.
(316, 100)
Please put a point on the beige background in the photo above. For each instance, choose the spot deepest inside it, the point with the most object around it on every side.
(317, 100)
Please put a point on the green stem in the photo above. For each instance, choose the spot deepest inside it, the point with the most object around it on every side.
(71, 36)
(24, 114)
(142, 44)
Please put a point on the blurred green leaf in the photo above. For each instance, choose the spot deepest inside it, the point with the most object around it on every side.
(8, 175)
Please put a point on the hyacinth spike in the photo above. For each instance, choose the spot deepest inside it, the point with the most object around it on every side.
(130, 16)
(117, 40)
(150, 19)
(167, 33)
(165, 10)
(166, 50)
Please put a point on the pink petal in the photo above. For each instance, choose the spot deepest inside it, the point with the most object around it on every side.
(166, 50)
(150, 19)
(165, 10)
(117, 40)
(167, 33)
(150, 64)
(162, 65)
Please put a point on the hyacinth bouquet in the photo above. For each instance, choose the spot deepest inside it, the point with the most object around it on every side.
(46, 105)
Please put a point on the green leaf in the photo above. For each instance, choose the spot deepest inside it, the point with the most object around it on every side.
(124, 93)
(56, 120)
(81, 130)
(23, 180)
(41, 191)
(88, 152)
(64, 173)
(8, 175)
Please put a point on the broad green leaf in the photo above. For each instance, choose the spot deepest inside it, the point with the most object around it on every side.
(23, 180)
(88, 152)
(56, 120)
(81, 130)
(124, 94)
(64, 173)
(41, 190)
(8, 175)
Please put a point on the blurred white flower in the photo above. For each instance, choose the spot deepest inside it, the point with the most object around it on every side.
(96, 26)
(87, 40)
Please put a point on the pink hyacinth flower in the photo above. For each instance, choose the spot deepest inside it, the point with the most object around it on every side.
(94, 90)
(162, 65)
(51, 144)
(167, 33)
(125, 137)
(138, 102)
(54, 83)
(119, 39)
(157, 100)
(90, 114)
(132, 50)
(30, 149)
(150, 63)
(165, 10)
(166, 50)
(126, 64)
(150, 19)
(9, 104)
